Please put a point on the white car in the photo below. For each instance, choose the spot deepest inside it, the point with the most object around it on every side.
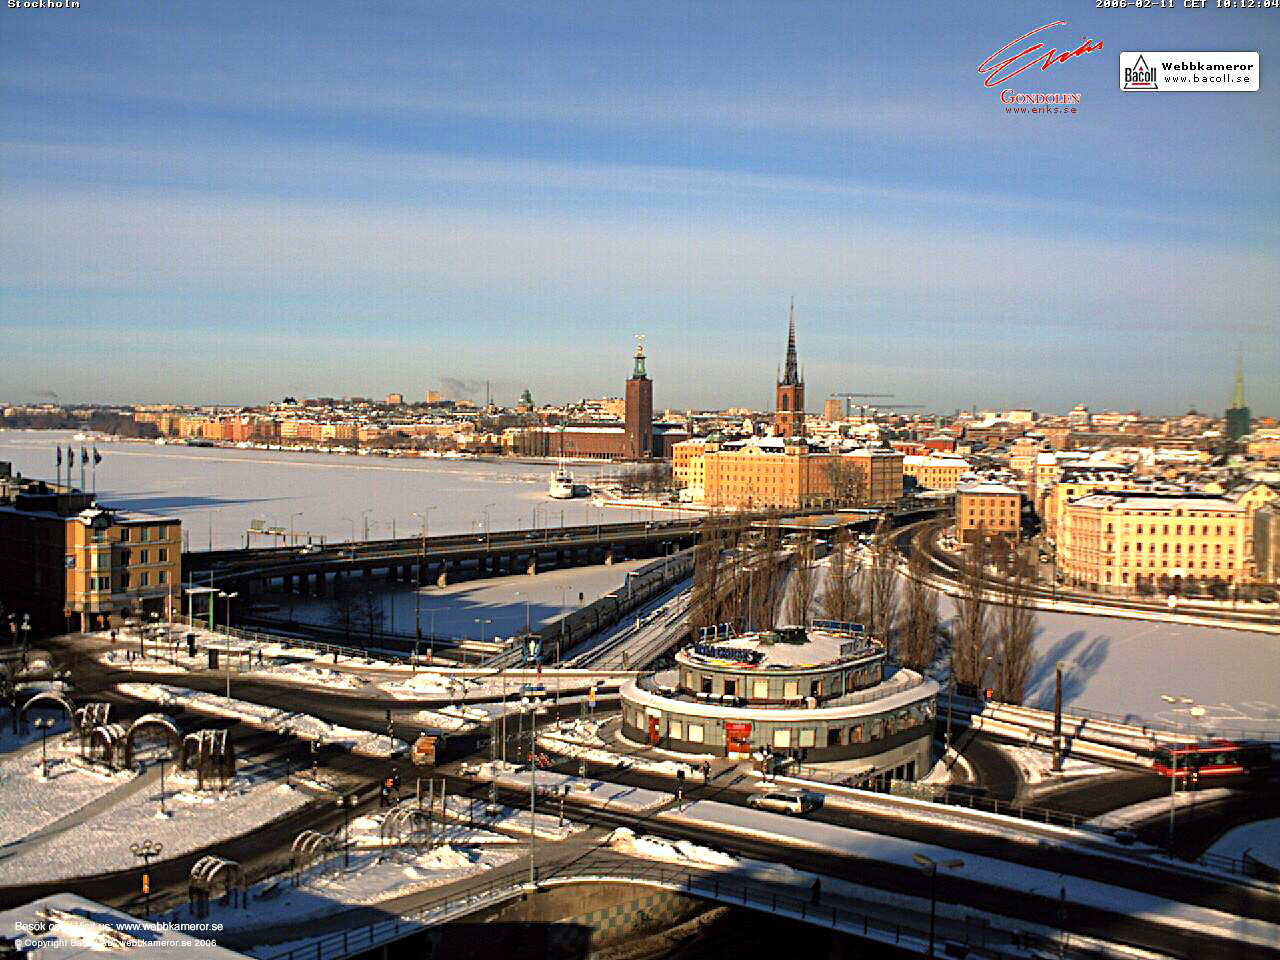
(792, 804)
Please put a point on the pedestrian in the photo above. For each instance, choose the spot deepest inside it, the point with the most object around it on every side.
(706, 771)
(817, 891)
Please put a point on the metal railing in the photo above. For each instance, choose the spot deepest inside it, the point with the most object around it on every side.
(788, 901)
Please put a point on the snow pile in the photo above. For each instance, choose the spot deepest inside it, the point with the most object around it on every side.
(576, 744)
(301, 725)
(625, 840)
(1159, 807)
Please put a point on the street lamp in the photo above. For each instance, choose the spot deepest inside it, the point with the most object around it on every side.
(347, 802)
(930, 868)
(525, 594)
(352, 538)
(1057, 716)
(1196, 711)
(485, 510)
(43, 724)
(293, 541)
(144, 851)
(228, 597)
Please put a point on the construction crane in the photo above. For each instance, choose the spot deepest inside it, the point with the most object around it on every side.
(864, 407)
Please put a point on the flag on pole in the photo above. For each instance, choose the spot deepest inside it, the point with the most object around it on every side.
(97, 457)
(59, 456)
(84, 455)
(71, 458)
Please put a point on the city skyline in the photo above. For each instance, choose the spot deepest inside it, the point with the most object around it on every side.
(393, 203)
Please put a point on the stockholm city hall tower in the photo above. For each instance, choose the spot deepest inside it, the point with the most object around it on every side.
(788, 417)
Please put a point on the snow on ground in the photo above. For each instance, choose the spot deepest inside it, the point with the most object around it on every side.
(601, 793)
(546, 826)
(369, 878)
(1260, 839)
(32, 803)
(814, 834)
(217, 492)
(1036, 766)
(301, 725)
(1150, 809)
(581, 740)
(194, 819)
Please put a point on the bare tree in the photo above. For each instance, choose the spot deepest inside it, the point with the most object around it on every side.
(342, 610)
(707, 563)
(840, 599)
(846, 481)
(367, 614)
(920, 622)
(802, 584)
(971, 641)
(1015, 630)
(880, 588)
(764, 587)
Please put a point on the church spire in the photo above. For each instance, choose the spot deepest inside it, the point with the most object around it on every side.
(1237, 398)
(791, 374)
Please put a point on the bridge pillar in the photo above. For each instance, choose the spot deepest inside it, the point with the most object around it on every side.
(290, 584)
(320, 584)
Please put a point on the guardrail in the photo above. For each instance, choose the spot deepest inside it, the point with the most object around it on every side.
(787, 902)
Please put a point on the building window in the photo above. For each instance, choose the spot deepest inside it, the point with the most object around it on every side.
(162, 576)
(695, 733)
(162, 555)
(807, 737)
(782, 739)
(675, 729)
(730, 687)
(791, 690)
(144, 556)
(144, 579)
(760, 689)
(706, 684)
(855, 735)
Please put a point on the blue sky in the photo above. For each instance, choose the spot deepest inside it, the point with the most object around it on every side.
(234, 202)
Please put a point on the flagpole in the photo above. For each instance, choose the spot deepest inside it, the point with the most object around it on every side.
(57, 466)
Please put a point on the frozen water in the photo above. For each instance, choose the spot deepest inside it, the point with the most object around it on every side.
(216, 492)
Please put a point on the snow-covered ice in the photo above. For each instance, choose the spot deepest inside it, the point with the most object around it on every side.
(546, 826)
(218, 492)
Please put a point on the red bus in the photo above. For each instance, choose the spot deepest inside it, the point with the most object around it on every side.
(1217, 758)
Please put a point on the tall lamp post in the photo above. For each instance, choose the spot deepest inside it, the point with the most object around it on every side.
(228, 597)
(1057, 716)
(347, 802)
(293, 541)
(43, 724)
(144, 851)
(1194, 710)
(487, 538)
(930, 868)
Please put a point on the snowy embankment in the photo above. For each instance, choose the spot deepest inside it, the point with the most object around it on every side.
(597, 793)
(581, 740)
(301, 725)
(829, 838)
(1036, 766)
(193, 819)
(1159, 807)
(1260, 839)
(32, 803)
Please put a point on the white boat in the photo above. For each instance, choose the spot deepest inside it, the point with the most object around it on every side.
(561, 486)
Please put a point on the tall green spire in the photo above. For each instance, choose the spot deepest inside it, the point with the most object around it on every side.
(1237, 398)
(638, 372)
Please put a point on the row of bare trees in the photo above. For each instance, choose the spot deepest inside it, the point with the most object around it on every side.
(994, 647)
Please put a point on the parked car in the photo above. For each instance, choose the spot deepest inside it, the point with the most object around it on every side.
(792, 804)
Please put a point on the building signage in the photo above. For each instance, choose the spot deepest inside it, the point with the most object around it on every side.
(735, 654)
